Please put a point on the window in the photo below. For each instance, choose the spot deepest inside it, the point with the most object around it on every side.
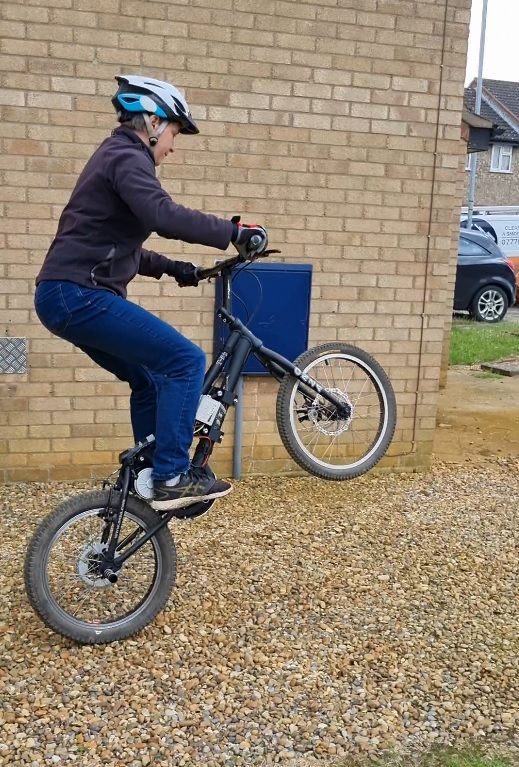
(469, 248)
(470, 161)
(501, 161)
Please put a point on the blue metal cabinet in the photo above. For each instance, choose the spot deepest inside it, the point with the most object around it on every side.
(273, 300)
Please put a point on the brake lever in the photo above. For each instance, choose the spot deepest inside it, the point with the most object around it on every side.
(248, 259)
(200, 270)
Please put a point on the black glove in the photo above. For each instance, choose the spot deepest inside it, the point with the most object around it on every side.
(249, 239)
(185, 274)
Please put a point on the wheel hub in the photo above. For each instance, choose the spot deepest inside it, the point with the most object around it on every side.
(327, 421)
(88, 565)
(491, 305)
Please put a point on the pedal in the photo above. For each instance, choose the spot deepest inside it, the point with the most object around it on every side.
(194, 510)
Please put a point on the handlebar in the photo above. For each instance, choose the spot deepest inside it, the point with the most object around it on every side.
(230, 263)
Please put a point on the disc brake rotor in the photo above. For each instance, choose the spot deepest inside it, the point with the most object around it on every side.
(325, 419)
(87, 565)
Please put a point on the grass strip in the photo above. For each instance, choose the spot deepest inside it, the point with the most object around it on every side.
(474, 342)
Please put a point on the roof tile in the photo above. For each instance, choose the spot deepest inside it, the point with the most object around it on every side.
(509, 134)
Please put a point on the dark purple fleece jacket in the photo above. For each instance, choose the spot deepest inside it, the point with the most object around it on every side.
(116, 204)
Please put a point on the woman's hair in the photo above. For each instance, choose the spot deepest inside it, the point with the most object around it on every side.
(135, 122)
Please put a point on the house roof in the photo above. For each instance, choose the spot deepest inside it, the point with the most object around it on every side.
(507, 93)
(508, 133)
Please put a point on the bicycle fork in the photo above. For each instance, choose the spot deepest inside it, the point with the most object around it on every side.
(216, 400)
(112, 559)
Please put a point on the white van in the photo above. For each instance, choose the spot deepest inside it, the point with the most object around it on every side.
(500, 222)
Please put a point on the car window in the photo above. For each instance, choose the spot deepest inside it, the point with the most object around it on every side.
(468, 248)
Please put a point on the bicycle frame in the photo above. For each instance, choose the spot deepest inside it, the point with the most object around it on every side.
(228, 366)
(230, 363)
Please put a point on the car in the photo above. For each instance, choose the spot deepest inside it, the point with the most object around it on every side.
(501, 223)
(485, 279)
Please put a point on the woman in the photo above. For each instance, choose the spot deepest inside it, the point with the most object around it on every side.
(81, 289)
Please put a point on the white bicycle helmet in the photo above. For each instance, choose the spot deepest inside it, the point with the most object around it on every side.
(146, 96)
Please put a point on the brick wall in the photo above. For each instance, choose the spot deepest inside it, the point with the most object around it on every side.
(336, 122)
(451, 277)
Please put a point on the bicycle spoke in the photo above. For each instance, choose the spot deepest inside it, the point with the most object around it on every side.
(66, 577)
(330, 445)
(314, 436)
(81, 603)
(329, 386)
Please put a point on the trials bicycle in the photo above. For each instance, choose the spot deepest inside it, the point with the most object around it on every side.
(102, 565)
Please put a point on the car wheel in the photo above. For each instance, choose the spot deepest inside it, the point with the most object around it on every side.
(490, 304)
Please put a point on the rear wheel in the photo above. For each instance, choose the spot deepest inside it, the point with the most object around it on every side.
(66, 588)
(490, 304)
(322, 440)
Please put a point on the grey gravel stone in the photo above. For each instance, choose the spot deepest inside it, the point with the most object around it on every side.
(311, 621)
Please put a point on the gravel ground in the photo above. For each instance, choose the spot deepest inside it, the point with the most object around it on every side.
(311, 620)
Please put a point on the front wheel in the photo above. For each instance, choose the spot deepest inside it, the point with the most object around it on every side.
(321, 438)
(66, 588)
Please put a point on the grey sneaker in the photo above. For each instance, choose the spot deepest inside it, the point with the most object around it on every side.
(195, 485)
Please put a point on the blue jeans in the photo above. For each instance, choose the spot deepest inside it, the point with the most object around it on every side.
(164, 369)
